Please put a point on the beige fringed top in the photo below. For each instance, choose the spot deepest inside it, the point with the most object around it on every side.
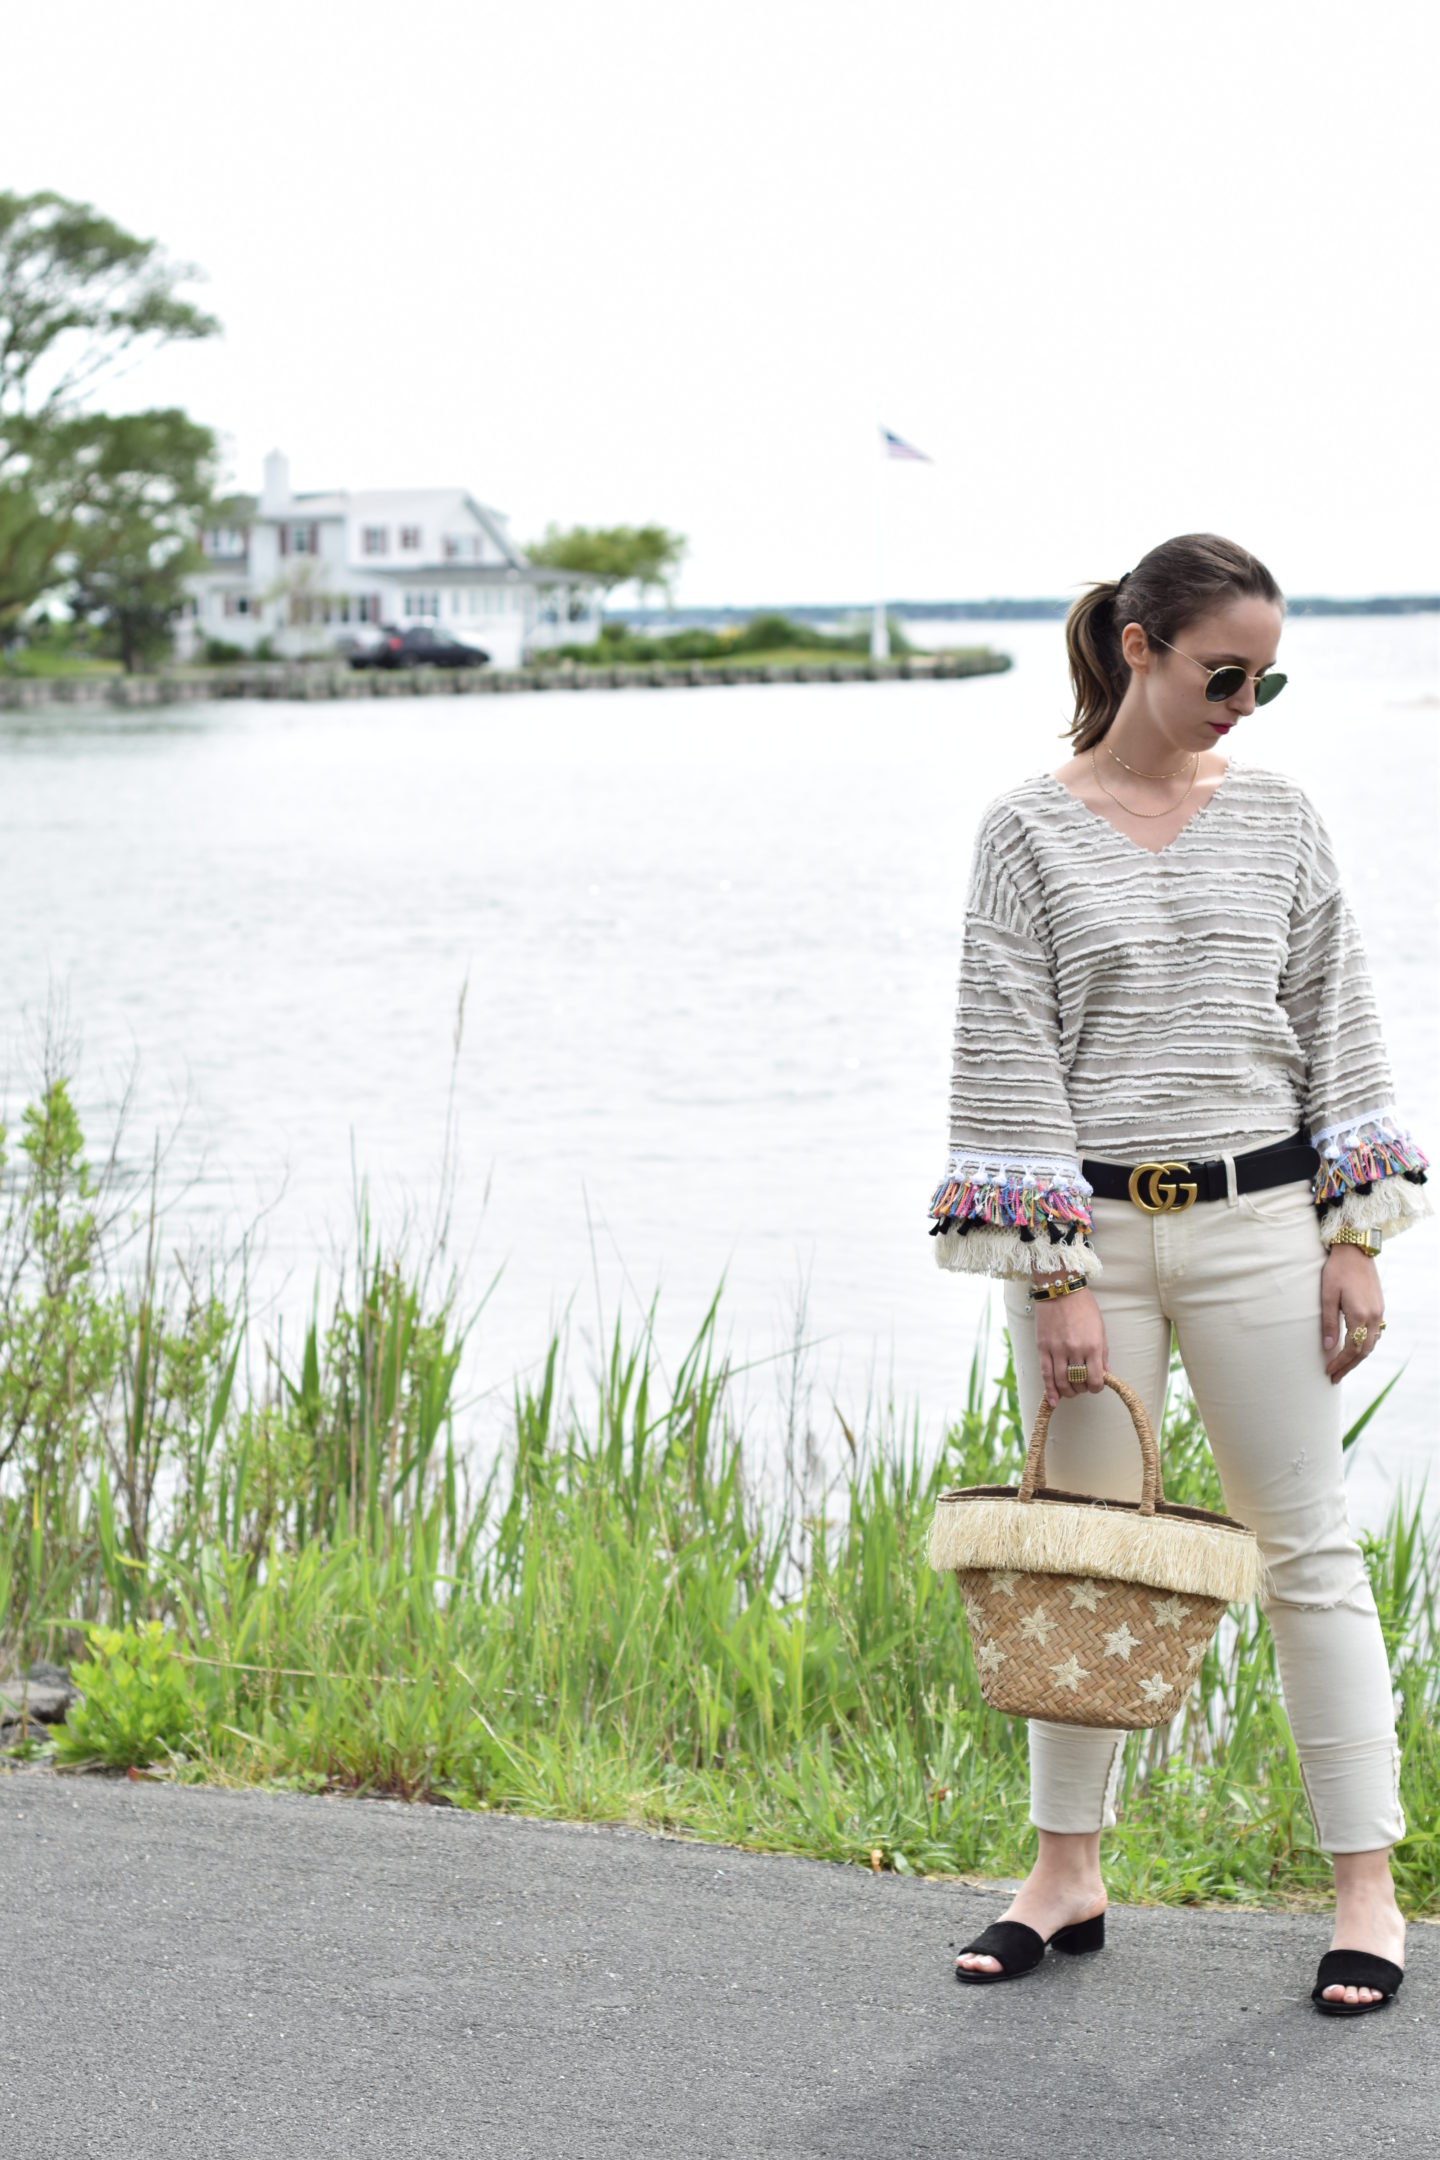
(1123, 1004)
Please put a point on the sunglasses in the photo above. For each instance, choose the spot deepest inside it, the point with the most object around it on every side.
(1226, 681)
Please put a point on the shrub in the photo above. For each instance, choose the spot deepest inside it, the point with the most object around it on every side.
(216, 652)
(139, 1701)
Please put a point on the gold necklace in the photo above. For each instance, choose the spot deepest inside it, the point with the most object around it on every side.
(1170, 807)
(1140, 772)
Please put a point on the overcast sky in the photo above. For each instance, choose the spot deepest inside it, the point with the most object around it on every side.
(1122, 270)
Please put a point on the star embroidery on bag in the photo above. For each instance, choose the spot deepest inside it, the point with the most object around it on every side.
(1037, 1626)
(989, 1657)
(1004, 1580)
(1156, 1688)
(1085, 1593)
(1169, 1612)
(1121, 1642)
(1070, 1674)
(1195, 1652)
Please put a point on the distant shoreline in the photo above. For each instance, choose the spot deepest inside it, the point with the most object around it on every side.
(995, 610)
(302, 680)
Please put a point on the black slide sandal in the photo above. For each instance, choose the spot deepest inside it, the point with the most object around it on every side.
(1020, 1948)
(1355, 1968)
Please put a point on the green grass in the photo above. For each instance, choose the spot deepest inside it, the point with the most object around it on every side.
(625, 1621)
(37, 661)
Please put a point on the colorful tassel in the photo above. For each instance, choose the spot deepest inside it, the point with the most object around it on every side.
(1013, 1204)
(1372, 1154)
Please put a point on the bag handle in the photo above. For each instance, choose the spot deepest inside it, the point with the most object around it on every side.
(1152, 1490)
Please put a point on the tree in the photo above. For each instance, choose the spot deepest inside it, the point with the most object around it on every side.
(614, 555)
(139, 487)
(77, 292)
(77, 295)
(31, 541)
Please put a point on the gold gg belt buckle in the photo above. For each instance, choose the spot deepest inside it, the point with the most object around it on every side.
(1164, 1199)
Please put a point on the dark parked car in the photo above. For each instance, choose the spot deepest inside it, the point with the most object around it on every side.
(418, 645)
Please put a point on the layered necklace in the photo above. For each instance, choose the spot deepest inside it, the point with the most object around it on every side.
(1140, 774)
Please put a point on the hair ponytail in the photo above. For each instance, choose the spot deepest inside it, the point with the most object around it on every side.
(1099, 671)
(1168, 588)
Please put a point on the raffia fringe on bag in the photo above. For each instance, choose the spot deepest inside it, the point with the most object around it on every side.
(1086, 1611)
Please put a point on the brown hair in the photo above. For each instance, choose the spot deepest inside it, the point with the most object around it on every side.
(1168, 588)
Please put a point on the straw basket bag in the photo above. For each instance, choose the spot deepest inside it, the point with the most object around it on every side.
(1086, 1611)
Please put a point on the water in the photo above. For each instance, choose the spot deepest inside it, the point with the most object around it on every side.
(710, 941)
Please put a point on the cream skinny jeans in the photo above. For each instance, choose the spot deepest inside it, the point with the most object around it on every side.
(1240, 1279)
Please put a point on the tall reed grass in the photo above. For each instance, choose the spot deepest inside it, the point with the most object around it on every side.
(623, 1620)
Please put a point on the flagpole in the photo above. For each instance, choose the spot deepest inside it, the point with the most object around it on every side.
(879, 627)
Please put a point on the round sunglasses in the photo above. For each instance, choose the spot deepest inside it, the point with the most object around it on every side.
(1225, 681)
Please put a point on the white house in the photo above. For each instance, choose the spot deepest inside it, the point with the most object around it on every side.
(303, 570)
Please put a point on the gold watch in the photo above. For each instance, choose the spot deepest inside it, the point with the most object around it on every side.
(1368, 1240)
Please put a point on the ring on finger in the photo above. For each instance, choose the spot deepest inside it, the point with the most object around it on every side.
(1077, 1375)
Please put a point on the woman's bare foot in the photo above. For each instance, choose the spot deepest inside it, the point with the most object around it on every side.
(1366, 1916)
(1062, 1888)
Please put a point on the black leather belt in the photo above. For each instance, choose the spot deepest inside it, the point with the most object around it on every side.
(1169, 1186)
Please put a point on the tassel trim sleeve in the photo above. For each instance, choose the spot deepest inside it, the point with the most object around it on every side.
(1372, 1175)
(1003, 1217)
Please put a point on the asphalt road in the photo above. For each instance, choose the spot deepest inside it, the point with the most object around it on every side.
(190, 1972)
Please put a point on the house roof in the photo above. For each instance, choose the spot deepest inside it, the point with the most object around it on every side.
(372, 502)
(362, 503)
(315, 504)
(442, 575)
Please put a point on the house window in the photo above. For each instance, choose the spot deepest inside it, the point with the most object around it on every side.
(375, 540)
(410, 537)
(422, 603)
(300, 539)
(237, 603)
(464, 547)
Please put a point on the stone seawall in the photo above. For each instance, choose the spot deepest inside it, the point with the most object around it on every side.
(324, 679)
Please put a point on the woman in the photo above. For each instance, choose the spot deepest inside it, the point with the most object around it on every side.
(1171, 1104)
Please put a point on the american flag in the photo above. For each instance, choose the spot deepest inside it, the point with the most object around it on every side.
(895, 446)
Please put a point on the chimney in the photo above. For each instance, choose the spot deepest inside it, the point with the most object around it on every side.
(275, 494)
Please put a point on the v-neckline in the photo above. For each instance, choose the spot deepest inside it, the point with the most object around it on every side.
(1139, 845)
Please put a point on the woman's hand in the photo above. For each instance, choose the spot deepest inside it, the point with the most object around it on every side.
(1070, 1331)
(1350, 1297)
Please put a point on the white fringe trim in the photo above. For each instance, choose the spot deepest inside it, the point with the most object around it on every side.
(1056, 1537)
(1333, 1140)
(968, 1166)
(999, 1249)
(1392, 1204)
